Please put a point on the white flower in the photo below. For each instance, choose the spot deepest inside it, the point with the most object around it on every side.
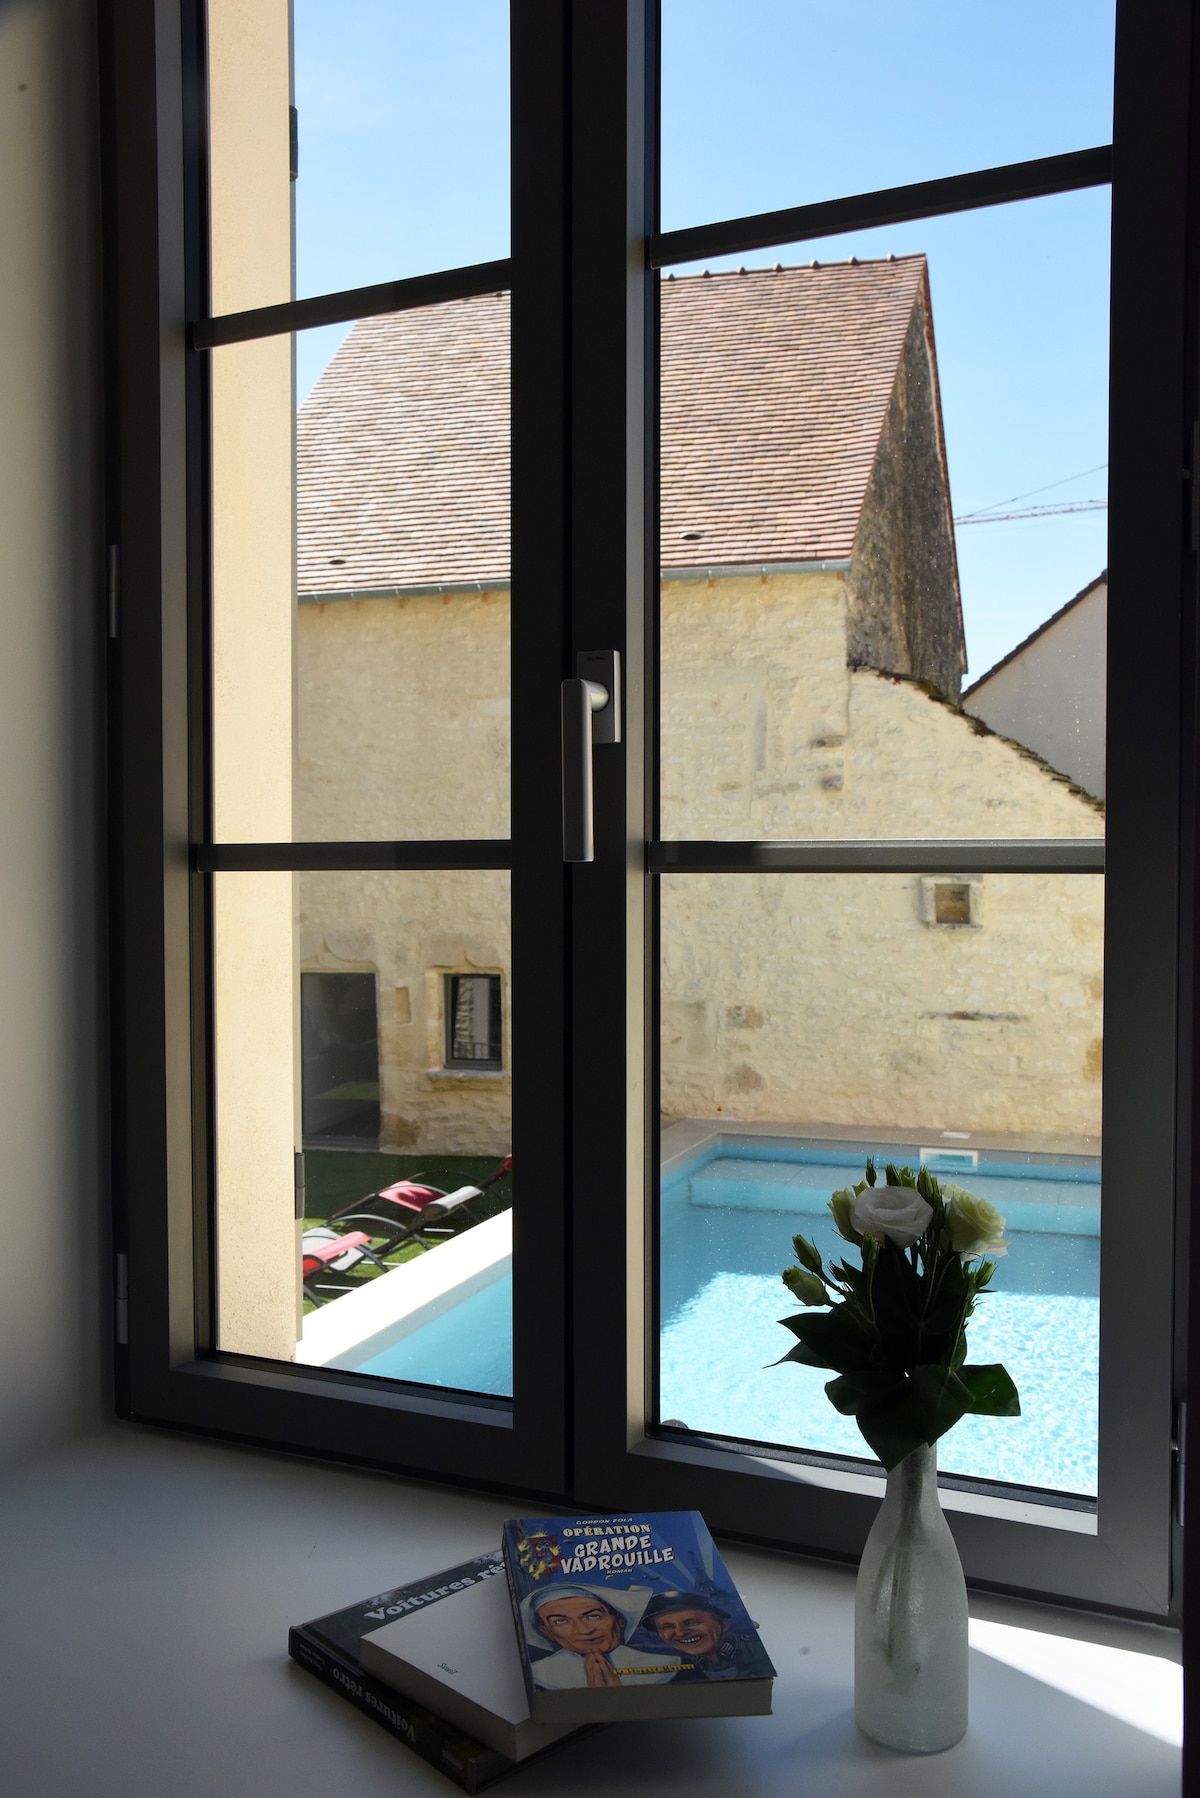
(842, 1207)
(897, 1213)
(974, 1225)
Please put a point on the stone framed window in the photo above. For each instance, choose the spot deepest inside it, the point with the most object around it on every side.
(474, 1022)
(951, 902)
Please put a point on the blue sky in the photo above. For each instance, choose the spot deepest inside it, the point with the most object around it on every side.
(404, 168)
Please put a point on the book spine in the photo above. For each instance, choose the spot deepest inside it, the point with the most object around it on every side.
(509, 1548)
(411, 1724)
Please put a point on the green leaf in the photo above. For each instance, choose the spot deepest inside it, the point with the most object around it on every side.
(831, 1339)
(897, 1300)
(931, 1402)
(803, 1356)
(940, 1398)
(992, 1391)
(871, 1176)
(866, 1386)
(806, 1254)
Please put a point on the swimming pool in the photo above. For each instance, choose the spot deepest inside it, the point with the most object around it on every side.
(727, 1217)
(469, 1346)
(728, 1212)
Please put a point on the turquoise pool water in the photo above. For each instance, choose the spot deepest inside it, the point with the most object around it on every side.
(469, 1346)
(726, 1227)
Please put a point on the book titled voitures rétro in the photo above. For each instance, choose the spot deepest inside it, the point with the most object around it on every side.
(329, 1647)
(631, 1616)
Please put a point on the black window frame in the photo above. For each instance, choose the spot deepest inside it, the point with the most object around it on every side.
(585, 255)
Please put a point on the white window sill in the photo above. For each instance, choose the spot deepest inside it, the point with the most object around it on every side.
(158, 1575)
(481, 1077)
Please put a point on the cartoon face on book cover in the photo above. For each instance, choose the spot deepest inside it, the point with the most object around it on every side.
(628, 1601)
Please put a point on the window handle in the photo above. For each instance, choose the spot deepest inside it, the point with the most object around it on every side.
(591, 714)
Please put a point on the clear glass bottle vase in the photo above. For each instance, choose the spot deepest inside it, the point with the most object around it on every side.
(910, 1618)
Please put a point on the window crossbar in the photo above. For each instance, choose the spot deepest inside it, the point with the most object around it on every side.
(990, 855)
(1033, 180)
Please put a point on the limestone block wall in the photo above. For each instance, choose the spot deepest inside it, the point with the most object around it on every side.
(411, 931)
(403, 717)
(829, 998)
(792, 999)
(905, 612)
(755, 705)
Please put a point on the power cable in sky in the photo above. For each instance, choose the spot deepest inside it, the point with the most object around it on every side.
(1050, 485)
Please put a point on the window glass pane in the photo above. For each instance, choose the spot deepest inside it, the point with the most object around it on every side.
(403, 139)
(770, 103)
(332, 1024)
(883, 533)
(361, 659)
(399, 144)
(811, 1020)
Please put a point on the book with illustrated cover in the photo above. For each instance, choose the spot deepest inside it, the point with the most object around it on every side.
(329, 1647)
(631, 1616)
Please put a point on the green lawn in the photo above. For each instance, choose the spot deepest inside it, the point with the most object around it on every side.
(335, 1178)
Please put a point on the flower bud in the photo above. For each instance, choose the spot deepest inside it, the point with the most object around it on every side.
(806, 1254)
(804, 1286)
(842, 1207)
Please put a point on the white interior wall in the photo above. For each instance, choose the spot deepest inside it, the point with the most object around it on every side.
(52, 1178)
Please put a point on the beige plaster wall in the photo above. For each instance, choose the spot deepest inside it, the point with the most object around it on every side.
(56, 1318)
(256, 1014)
(1051, 695)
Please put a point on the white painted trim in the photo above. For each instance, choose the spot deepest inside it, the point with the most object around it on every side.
(349, 1330)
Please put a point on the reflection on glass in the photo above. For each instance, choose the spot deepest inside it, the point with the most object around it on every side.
(345, 1005)
(403, 139)
(811, 1020)
(770, 103)
(844, 526)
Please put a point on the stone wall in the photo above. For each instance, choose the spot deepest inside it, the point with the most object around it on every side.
(905, 614)
(835, 999)
(823, 998)
(411, 931)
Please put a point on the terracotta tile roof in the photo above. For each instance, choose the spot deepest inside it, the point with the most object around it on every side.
(402, 452)
(775, 390)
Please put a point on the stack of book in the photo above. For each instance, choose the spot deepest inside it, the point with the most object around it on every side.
(571, 1623)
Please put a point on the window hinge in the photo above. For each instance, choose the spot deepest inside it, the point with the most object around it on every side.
(1179, 1449)
(122, 1300)
(293, 142)
(299, 1177)
(114, 591)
